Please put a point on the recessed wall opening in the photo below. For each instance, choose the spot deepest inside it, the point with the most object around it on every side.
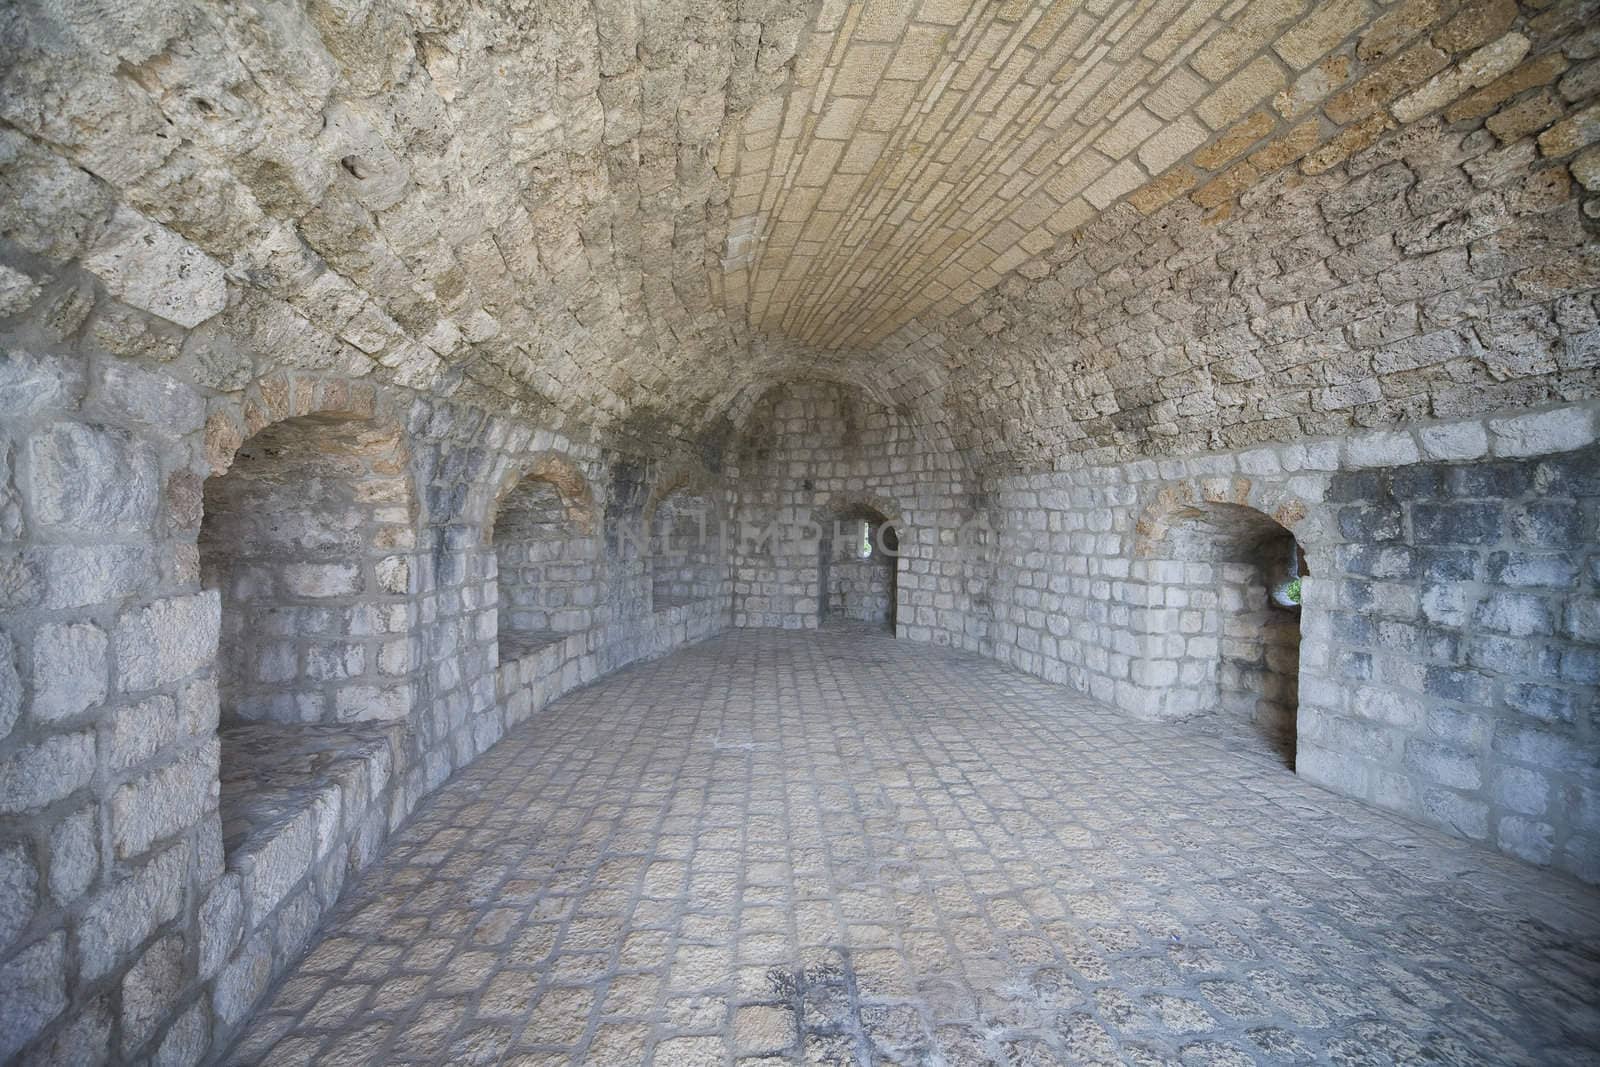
(1253, 567)
(545, 558)
(308, 539)
(687, 564)
(857, 565)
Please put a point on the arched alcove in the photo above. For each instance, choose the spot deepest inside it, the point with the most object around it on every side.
(687, 561)
(1224, 609)
(858, 556)
(545, 558)
(308, 537)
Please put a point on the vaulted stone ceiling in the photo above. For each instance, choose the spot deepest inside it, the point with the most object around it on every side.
(1131, 226)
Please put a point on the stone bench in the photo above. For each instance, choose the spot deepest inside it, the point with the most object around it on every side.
(304, 806)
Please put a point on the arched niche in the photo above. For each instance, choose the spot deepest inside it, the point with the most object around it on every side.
(542, 531)
(308, 534)
(1223, 606)
(858, 558)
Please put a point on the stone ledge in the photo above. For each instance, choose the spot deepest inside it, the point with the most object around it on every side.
(292, 793)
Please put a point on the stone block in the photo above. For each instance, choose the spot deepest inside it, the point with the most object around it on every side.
(69, 669)
(31, 383)
(126, 912)
(1580, 619)
(74, 856)
(1464, 815)
(165, 641)
(87, 481)
(149, 267)
(1537, 746)
(1517, 614)
(35, 984)
(1543, 702)
(1443, 765)
(243, 981)
(1370, 523)
(187, 1039)
(1381, 450)
(321, 579)
(1531, 570)
(361, 703)
(167, 406)
(1526, 839)
(221, 924)
(164, 803)
(1542, 433)
(278, 865)
(1456, 524)
(1549, 524)
(36, 775)
(1454, 443)
(150, 991)
(19, 892)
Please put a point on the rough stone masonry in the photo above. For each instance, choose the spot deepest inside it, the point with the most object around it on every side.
(357, 361)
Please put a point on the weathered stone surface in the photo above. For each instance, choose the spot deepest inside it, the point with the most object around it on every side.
(19, 881)
(243, 981)
(35, 983)
(69, 669)
(150, 990)
(35, 383)
(1539, 434)
(220, 919)
(91, 480)
(129, 909)
(35, 775)
(149, 267)
(10, 686)
(1071, 275)
(74, 856)
(164, 803)
(165, 641)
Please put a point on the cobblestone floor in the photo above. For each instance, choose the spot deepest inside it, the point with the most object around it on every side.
(839, 848)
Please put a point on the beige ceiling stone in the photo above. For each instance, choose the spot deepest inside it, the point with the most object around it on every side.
(981, 125)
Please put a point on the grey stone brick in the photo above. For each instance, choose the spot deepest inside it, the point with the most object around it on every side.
(1446, 766)
(69, 669)
(1548, 524)
(150, 990)
(163, 803)
(165, 641)
(1541, 702)
(1456, 524)
(35, 983)
(1542, 432)
(1522, 790)
(1518, 614)
(36, 775)
(87, 480)
(74, 856)
(128, 910)
(19, 880)
(1530, 570)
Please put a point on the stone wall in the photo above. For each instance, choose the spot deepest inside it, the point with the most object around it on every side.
(861, 589)
(159, 874)
(812, 452)
(1447, 647)
(688, 560)
(545, 563)
(308, 538)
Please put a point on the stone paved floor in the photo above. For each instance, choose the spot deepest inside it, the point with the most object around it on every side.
(839, 848)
